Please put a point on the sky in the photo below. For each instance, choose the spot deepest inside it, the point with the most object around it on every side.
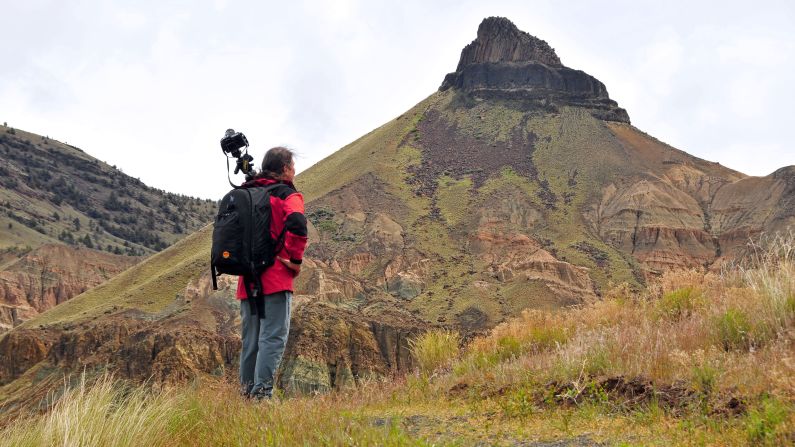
(151, 86)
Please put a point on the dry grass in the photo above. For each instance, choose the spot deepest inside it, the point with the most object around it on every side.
(435, 349)
(405, 412)
(539, 376)
(685, 321)
(109, 413)
(717, 335)
(770, 274)
(218, 417)
(98, 413)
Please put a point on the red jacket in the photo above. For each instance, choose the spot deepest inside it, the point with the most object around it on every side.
(287, 213)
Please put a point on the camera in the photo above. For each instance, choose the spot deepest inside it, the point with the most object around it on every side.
(231, 144)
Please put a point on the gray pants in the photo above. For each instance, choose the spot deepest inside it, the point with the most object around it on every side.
(264, 340)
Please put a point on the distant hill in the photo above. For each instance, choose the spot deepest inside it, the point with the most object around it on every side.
(519, 184)
(69, 221)
(54, 192)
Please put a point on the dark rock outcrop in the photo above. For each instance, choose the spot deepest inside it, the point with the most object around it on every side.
(499, 40)
(506, 63)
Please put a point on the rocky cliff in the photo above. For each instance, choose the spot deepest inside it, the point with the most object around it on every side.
(506, 63)
(500, 41)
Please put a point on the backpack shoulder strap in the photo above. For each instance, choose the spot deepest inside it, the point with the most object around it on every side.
(282, 190)
(268, 188)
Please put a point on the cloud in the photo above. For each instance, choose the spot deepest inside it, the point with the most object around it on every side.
(661, 62)
(151, 86)
(130, 20)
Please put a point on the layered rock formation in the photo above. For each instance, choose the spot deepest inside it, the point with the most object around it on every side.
(677, 211)
(50, 275)
(506, 63)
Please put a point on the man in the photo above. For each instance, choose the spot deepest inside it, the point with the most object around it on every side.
(265, 323)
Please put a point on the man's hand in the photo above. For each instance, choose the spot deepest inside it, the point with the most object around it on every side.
(290, 265)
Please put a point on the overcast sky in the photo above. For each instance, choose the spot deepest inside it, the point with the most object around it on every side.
(150, 86)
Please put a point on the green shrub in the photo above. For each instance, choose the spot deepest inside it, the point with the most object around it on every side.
(508, 346)
(680, 303)
(538, 338)
(519, 404)
(704, 378)
(435, 349)
(475, 361)
(549, 337)
(327, 226)
(597, 362)
(789, 305)
(733, 330)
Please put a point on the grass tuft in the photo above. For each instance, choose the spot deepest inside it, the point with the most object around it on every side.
(100, 413)
(681, 302)
(733, 330)
(435, 349)
(534, 331)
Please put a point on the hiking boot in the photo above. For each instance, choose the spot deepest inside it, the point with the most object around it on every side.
(245, 391)
(261, 395)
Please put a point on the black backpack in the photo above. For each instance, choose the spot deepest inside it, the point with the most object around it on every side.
(242, 241)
